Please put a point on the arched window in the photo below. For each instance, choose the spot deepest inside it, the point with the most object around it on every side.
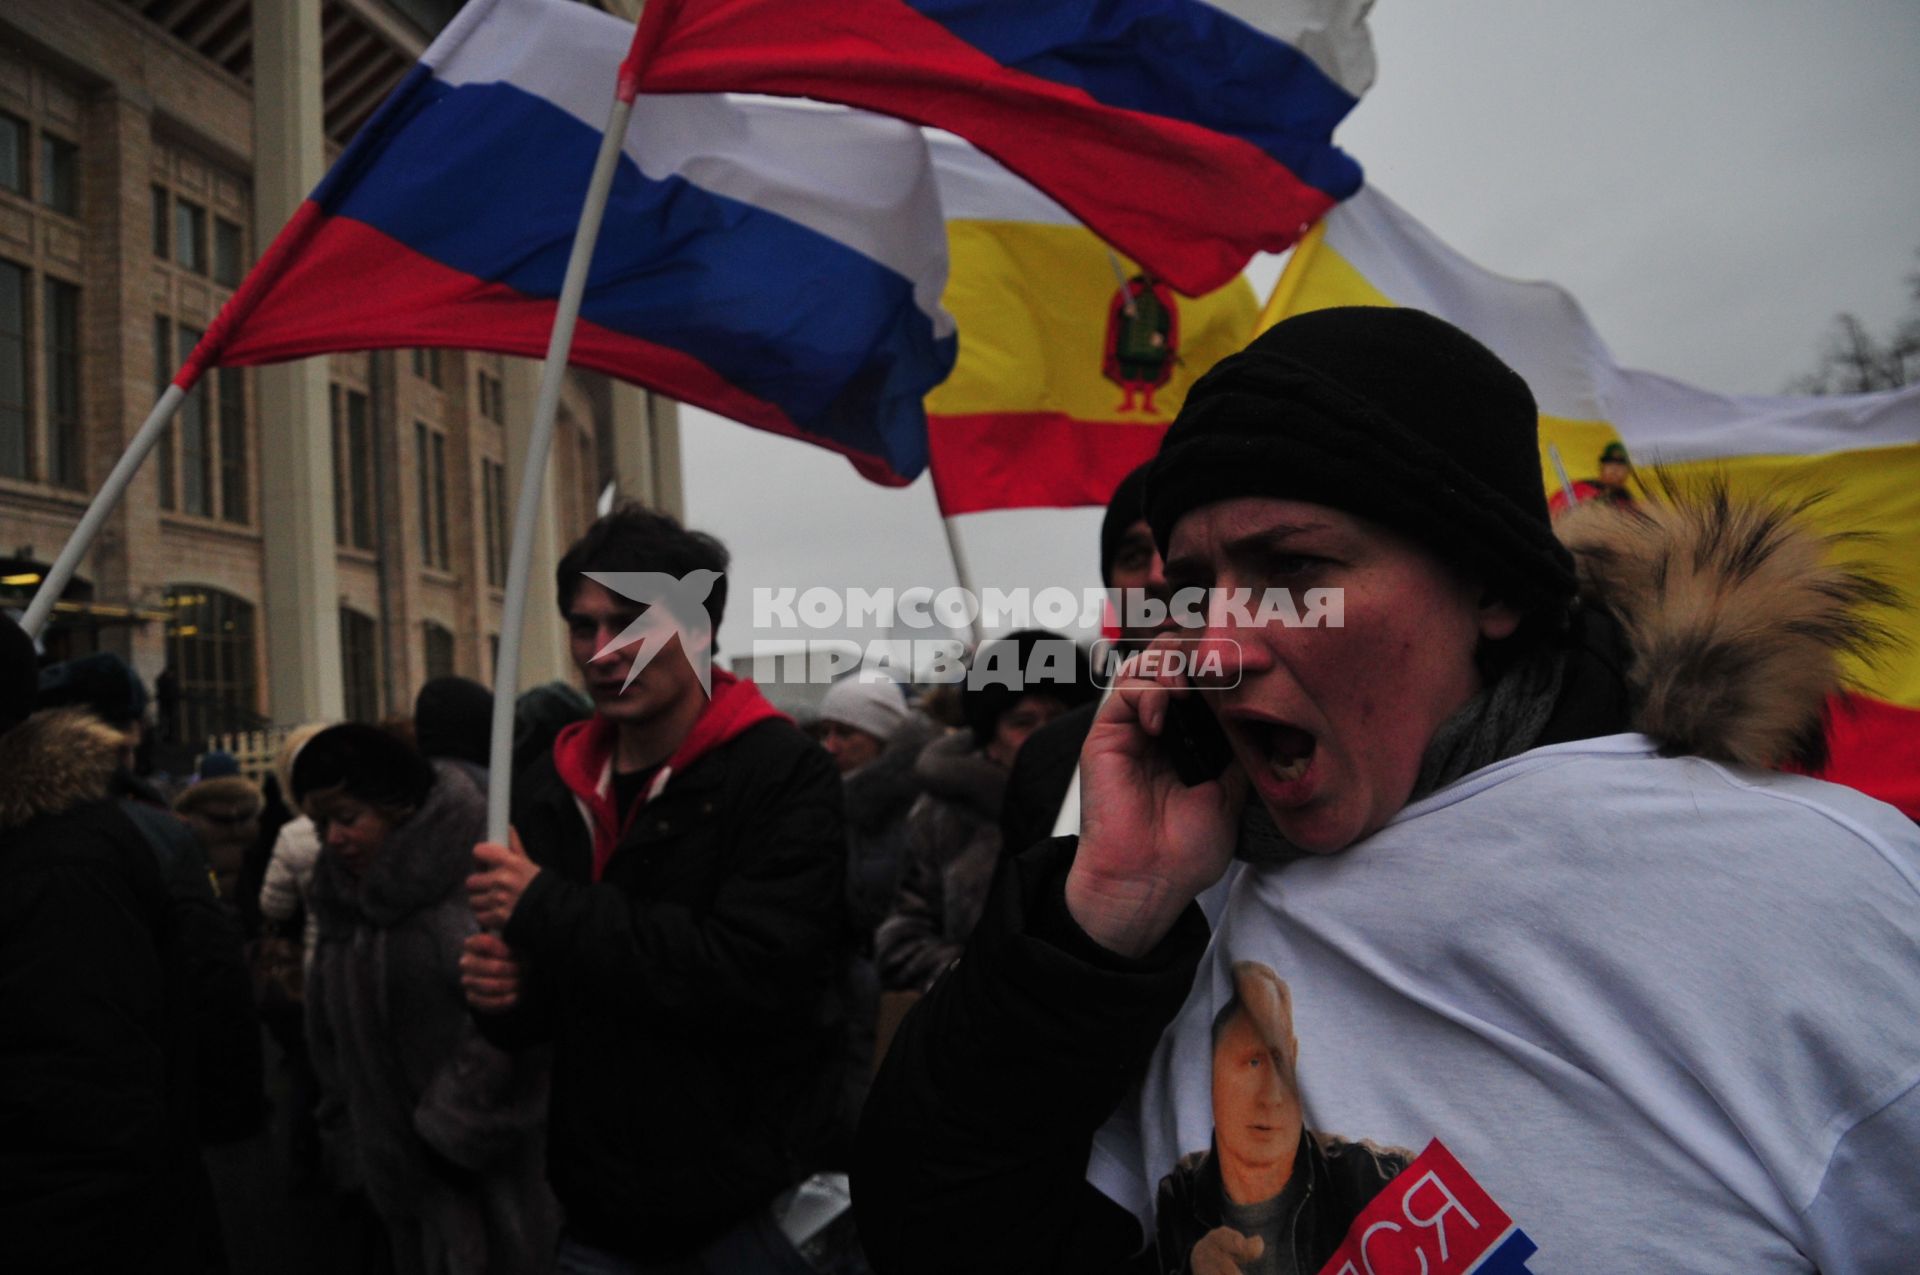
(359, 666)
(210, 651)
(439, 641)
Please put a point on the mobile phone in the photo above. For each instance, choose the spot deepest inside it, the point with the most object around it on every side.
(1194, 741)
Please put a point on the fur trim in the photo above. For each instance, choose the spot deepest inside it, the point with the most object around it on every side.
(56, 760)
(954, 768)
(1737, 614)
(228, 799)
(425, 860)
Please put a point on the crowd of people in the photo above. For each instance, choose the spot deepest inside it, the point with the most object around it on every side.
(1498, 891)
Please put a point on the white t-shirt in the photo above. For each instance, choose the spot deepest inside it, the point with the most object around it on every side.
(1663, 1014)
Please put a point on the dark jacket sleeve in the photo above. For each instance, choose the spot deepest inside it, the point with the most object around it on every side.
(220, 1021)
(1042, 772)
(763, 946)
(973, 1145)
(528, 1023)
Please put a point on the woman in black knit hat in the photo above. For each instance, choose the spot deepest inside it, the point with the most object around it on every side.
(440, 1128)
(1506, 819)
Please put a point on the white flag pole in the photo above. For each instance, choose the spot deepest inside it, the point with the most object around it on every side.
(964, 575)
(96, 516)
(534, 473)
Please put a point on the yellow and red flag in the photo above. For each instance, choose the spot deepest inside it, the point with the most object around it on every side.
(1863, 450)
(1072, 361)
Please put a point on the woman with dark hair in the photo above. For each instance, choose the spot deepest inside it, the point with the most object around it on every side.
(444, 1129)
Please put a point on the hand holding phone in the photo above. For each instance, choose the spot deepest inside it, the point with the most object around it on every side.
(1194, 740)
(1160, 812)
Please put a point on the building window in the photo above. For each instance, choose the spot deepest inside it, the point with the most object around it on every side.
(196, 433)
(426, 366)
(60, 174)
(13, 154)
(203, 458)
(232, 385)
(190, 235)
(162, 375)
(493, 490)
(430, 462)
(210, 652)
(439, 644)
(64, 429)
(492, 397)
(229, 253)
(13, 370)
(27, 452)
(162, 225)
(359, 666)
(352, 469)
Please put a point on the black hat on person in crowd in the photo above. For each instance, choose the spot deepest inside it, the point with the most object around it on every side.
(1128, 506)
(985, 703)
(1614, 453)
(19, 674)
(1384, 412)
(453, 717)
(102, 683)
(372, 765)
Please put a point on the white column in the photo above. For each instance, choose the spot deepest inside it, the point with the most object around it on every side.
(296, 501)
(543, 650)
(646, 449)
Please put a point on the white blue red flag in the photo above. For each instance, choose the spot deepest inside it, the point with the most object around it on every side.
(778, 263)
(1181, 134)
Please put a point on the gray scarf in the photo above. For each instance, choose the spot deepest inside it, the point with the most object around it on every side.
(1503, 720)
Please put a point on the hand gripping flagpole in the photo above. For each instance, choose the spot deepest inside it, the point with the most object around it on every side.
(96, 516)
(534, 472)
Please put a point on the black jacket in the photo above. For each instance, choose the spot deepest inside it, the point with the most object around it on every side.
(973, 1148)
(1042, 772)
(98, 1164)
(690, 994)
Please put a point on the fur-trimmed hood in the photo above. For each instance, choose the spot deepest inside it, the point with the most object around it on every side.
(880, 791)
(1737, 616)
(227, 799)
(424, 860)
(55, 761)
(954, 768)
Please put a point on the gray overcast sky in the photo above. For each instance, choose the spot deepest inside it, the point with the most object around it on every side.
(1713, 179)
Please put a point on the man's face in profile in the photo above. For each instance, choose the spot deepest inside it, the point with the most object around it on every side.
(1256, 1114)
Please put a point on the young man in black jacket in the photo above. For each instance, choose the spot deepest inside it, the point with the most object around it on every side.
(671, 928)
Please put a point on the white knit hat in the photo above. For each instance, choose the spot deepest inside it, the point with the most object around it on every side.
(877, 708)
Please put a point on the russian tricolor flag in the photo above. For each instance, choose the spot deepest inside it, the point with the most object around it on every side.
(1184, 136)
(778, 263)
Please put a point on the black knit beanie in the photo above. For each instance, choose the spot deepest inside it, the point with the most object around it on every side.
(453, 717)
(986, 703)
(1384, 412)
(372, 765)
(102, 683)
(1128, 506)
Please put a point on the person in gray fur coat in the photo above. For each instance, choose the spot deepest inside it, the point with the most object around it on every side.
(1018, 684)
(444, 1130)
